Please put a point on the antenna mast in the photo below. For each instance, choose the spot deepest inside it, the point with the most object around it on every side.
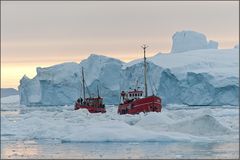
(145, 69)
(83, 85)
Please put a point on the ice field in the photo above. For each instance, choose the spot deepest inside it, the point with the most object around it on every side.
(177, 132)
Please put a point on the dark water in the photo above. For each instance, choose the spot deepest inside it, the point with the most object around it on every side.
(143, 150)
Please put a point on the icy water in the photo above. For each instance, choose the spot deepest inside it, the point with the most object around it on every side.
(142, 150)
(60, 132)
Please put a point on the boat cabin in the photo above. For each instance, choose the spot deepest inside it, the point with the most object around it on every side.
(94, 102)
(131, 95)
(135, 94)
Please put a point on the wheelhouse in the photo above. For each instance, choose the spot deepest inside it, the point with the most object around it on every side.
(95, 102)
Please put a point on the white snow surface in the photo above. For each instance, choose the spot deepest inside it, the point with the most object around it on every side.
(222, 62)
(174, 123)
(10, 99)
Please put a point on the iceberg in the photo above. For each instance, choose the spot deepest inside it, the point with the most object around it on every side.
(200, 77)
(5, 92)
(189, 40)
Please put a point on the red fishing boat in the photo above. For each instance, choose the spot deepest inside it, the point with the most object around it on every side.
(134, 102)
(92, 104)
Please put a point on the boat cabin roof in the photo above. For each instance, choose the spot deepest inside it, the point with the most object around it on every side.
(94, 98)
(134, 91)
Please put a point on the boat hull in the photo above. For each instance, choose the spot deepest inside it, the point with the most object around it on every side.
(90, 109)
(148, 104)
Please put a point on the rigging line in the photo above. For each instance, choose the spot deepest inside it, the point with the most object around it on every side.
(80, 89)
(98, 93)
(153, 85)
(120, 90)
(88, 90)
(136, 86)
(86, 86)
(80, 84)
(98, 88)
(120, 97)
(83, 83)
(150, 82)
(154, 91)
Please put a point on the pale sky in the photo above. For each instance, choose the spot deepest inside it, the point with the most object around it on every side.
(45, 33)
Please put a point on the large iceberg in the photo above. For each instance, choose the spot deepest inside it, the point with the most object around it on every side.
(196, 77)
(189, 40)
(61, 84)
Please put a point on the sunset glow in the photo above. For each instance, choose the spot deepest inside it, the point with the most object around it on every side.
(32, 38)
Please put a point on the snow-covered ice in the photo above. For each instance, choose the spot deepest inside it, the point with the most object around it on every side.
(176, 126)
(67, 125)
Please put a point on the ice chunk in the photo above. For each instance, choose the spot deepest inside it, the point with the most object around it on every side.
(203, 125)
(5, 92)
(212, 44)
(189, 40)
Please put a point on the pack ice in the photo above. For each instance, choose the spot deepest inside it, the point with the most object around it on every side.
(199, 74)
(178, 123)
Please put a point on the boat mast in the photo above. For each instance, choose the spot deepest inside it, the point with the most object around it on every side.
(98, 91)
(145, 69)
(83, 82)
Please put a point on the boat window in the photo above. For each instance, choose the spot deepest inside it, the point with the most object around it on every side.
(130, 95)
(136, 94)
